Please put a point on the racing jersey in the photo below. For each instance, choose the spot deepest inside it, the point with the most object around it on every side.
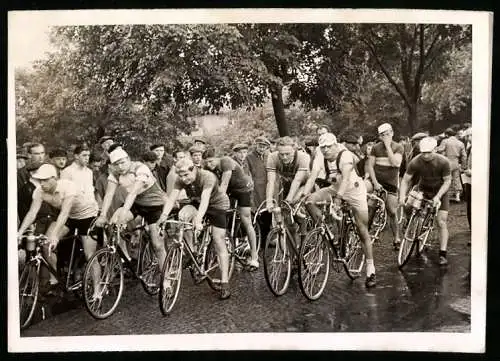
(204, 179)
(430, 173)
(152, 195)
(239, 182)
(83, 207)
(384, 170)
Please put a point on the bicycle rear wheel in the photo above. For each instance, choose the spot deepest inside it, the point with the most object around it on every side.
(101, 299)
(29, 283)
(314, 265)
(212, 264)
(354, 254)
(171, 277)
(277, 262)
(408, 241)
(149, 269)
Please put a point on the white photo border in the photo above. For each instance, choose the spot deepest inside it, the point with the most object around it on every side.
(482, 30)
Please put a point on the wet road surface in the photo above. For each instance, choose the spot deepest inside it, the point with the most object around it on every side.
(423, 297)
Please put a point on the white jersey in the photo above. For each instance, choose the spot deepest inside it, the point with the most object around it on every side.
(334, 174)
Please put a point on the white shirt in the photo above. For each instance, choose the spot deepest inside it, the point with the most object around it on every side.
(347, 156)
(81, 176)
(83, 206)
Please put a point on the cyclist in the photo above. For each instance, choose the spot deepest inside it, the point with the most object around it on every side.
(240, 152)
(237, 185)
(77, 212)
(201, 187)
(144, 198)
(383, 167)
(338, 164)
(434, 174)
(292, 167)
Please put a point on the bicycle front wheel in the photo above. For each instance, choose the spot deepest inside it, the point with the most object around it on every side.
(314, 265)
(29, 283)
(277, 262)
(408, 240)
(424, 233)
(149, 269)
(212, 263)
(103, 283)
(354, 254)
(171, 278)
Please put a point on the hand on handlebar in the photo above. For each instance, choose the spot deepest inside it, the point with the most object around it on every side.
(436, 202)
(100, 221)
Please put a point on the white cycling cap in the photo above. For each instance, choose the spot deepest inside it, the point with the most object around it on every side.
(117, 154)
(45, 171)
(428, 144)
(327, 139)
(384, 128)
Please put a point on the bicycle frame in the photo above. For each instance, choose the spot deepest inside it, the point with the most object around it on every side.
(181, 242)
(38, 257)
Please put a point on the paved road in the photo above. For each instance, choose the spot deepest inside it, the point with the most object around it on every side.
(425, 297)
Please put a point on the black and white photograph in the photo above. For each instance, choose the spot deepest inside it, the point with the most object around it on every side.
(248, 179)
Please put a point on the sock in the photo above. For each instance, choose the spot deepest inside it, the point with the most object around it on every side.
(442, 253)
(370, 267)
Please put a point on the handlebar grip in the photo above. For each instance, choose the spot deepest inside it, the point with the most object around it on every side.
(333, 212)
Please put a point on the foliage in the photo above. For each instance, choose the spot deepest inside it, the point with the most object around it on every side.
(147, 83)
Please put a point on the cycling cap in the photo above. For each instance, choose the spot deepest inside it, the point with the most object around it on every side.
(467, 132)
(428, 144)
(384, 128)
(327, 139)
(117, 154)
(45, 171)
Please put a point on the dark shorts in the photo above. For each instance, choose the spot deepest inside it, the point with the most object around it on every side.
(82, 225)
(217, 217)
(151, 214)
(244, 198)
(390, 188)
(445, 200)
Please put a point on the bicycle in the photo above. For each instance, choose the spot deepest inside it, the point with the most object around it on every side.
(110, 261)
(237, 233)
(417, 220)
(345, 247)
(204, 263)
(277, 255)
(29, 280)
(378, 220)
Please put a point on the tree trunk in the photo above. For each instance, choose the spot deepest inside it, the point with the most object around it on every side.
(413, 118)
(279, 110)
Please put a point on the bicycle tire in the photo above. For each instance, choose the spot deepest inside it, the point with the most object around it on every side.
(212, 264)
(270, 251)
(354, 254)
(408, 240)
(378, 223)
(172, 268)
(149, 269)
(110, 265)
(314, 255)
(29, 287)
(423, 236)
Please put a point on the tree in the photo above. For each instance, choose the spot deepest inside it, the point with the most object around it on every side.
(410, 55)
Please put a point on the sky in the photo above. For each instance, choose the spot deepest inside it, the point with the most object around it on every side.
(29, 45)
